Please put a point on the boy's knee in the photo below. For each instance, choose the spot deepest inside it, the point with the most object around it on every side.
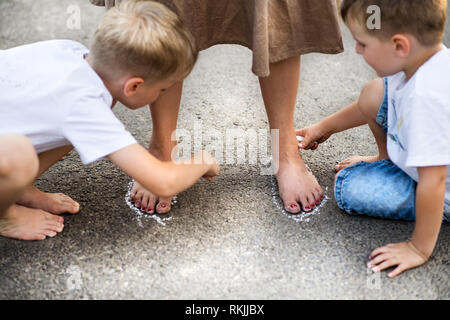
(371, 98)
(19, 162)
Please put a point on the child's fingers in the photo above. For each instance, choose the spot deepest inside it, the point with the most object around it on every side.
(300, 132)
(308, 146)
(304, 144)
(384, 265)
(378, 259)
(377, 251)
(400, 268)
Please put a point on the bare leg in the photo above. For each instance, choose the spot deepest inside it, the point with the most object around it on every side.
(55, 203)
(18, 169)
(164, 117)
(279, 91)
(369, 104)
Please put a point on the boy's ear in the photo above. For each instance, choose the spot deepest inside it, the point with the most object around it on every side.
(402, 45)
(132, 85)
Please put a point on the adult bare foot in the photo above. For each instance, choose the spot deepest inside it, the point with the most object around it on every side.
(24, 223)
(56, 203)
(355, 159)
(297, 185)
(149, 202)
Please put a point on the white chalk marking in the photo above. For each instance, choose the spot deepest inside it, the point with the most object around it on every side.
(144, 215)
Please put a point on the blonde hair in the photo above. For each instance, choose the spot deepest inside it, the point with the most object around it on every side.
(143, 39)
(424, 19)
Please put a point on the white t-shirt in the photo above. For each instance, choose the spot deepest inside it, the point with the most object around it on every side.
(419, 118)
(50, 94)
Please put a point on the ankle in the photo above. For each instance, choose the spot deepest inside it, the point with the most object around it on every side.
(6, 213)
(289, 154)
(162, 151)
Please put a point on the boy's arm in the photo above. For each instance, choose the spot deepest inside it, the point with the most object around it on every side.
(430, 195)
(346, 118)
(351, 116)
(163, 178)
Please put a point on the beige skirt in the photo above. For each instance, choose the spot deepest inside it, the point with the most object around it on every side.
(273, 29)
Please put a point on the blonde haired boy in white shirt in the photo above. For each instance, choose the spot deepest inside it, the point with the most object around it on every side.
(56, 95)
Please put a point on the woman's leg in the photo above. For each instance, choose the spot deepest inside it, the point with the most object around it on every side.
(164, 117)
(279, 91)
(19, 167)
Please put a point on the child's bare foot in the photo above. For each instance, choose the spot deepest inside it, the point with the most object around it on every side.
(355, 159)
(298, 185)
(146, 201)
(56, 203)
(24, 223)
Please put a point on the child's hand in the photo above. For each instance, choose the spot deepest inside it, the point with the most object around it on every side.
(214, 166)
(404, 255)
(312, 136)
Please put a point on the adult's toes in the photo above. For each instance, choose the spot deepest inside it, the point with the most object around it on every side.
(312, 202)
(290, 204)
(133, 195)
(151, 205)
(163, 207)
(292, 207)
(144, 203)
(318, 197)
(138, 199)
(306, 204)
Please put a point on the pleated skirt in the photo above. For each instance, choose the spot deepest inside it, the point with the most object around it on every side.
(273, 29)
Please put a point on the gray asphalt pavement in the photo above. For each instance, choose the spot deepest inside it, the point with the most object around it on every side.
(227, 239)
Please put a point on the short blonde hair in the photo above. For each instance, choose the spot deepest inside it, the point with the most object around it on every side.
(424, 19)
(143, 39)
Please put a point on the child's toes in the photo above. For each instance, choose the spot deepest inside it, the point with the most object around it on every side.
(50, 233)
(71, 205)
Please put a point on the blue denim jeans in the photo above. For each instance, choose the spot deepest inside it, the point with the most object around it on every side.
(377, 189)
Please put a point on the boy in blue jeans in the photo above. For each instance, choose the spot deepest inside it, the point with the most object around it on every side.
(409, 179)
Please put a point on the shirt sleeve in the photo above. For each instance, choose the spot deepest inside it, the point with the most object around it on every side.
(428, 131)
(94, 131)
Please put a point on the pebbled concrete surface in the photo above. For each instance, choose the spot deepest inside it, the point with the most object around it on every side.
(223, 240)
